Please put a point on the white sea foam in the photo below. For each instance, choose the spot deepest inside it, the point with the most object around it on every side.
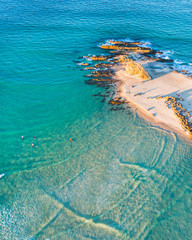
(166, 54)
(146, 44)
(176, 61)
(179, 66)
(1, 175)
(108, 42)
(126, 40)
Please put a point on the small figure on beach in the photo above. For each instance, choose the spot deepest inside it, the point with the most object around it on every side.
(71, 139)
(22, 137)
(32, 145)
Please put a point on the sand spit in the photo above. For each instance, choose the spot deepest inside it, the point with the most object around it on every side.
(148, 82)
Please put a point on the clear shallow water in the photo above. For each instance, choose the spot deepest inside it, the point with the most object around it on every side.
(121, 178)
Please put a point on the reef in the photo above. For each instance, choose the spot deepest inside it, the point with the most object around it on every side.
(104, 65)
(89, 68)
(127, 46)
(98, 58)
(84, 64)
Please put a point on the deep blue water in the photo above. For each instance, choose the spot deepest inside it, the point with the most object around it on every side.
(121, 178)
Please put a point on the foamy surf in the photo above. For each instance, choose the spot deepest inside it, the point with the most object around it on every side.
(181, 66)
(2, 175)
(166, 54)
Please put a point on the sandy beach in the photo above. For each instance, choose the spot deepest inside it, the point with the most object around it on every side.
(143, 94)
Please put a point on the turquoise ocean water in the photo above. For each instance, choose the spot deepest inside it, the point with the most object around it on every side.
(121, 178)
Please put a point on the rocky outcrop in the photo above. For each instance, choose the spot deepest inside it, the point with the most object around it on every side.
(99, 58)
(84, 64)
(124, 43)
(127, 48)
(183, 115)
(102, 73)
(117, 101)
(89, 68)
(123, 58)
(136, 70)
(103, 65)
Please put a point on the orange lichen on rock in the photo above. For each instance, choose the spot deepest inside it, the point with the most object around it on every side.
(124, 43)
(127, 48)
(135, 69)
(103, 65)
(84, 64)
(99, 58)
(89, 68)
